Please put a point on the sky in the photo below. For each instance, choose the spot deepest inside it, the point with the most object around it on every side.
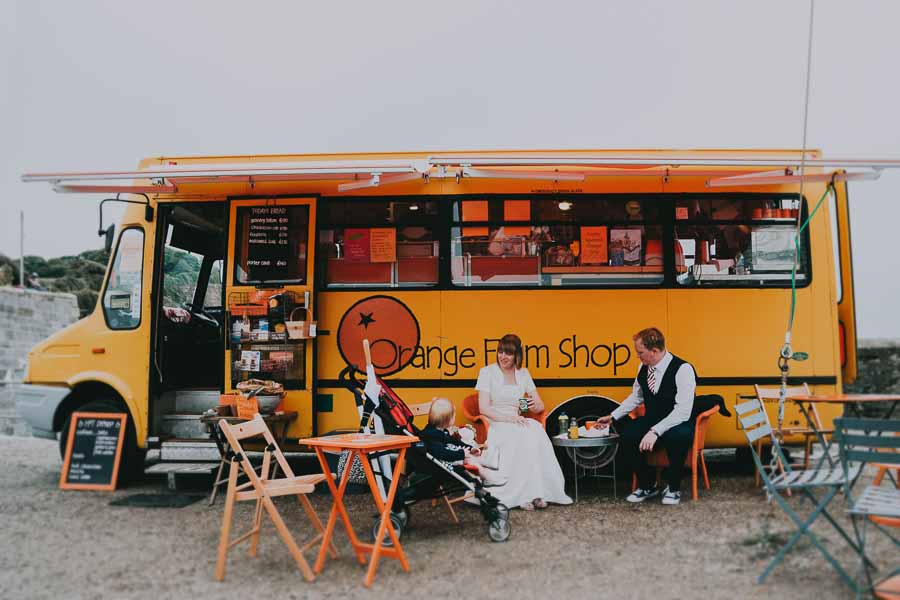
(99, 85)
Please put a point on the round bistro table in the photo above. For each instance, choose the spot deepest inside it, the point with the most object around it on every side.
(571, 446)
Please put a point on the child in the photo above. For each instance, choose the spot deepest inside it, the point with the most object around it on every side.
(441, 445)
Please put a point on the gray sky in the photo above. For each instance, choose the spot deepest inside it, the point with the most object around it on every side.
(99, 85)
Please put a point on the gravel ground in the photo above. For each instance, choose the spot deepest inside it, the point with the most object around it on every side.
(74, 544)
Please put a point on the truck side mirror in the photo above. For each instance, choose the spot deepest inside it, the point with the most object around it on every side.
(110, 234)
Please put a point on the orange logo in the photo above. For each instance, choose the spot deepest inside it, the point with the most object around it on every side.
(388, 324)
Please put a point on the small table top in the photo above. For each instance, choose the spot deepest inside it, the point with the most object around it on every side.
(361, 441)
(846, 398)
(586, 442)
(277, 417)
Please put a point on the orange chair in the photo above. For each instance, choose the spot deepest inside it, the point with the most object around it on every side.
(472, 412)
(694, 460)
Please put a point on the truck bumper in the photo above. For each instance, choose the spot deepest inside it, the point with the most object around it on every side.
(37, 404)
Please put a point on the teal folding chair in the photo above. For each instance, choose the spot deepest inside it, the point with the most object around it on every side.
(862, 441)
(827, 480)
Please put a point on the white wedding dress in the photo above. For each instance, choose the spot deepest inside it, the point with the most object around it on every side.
(527, 459)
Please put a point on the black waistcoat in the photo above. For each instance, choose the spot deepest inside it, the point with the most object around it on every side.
(660, 404)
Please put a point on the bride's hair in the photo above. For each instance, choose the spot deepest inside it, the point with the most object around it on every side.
(511, 344)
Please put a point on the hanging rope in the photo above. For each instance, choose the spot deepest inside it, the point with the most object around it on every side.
(786, 350)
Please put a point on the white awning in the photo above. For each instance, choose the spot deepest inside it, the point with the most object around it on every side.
(724, 170)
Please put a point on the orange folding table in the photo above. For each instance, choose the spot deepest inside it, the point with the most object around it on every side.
(362, 444)
(852, 405)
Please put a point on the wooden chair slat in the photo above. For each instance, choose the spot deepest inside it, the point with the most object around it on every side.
(248, 429)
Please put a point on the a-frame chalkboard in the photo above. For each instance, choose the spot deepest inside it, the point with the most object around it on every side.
(93, 451)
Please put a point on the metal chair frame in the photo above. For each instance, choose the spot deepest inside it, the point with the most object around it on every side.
(830, 480)
(870, 441)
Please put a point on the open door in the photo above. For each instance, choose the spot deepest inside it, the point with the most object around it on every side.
(269, 291)
(846, 305)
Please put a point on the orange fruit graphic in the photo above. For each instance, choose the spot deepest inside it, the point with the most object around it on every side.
(388, 324)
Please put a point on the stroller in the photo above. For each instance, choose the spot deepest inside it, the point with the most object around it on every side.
(427, 477)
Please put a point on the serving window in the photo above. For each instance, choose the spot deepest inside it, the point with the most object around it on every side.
(556, 241)
(739, 242)
(380, 243)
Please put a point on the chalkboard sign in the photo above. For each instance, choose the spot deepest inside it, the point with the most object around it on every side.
(93, 451)
(269, 242)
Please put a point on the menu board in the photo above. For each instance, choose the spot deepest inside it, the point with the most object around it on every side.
(594, 246)
(383, 244)
(93, 451)
(268, 238)
(356, 245)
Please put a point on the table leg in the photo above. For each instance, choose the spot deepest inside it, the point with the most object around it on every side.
(337, 508)
(575, 462)
(615, 495)
(217, 482)
(806, 410)
(384, 508)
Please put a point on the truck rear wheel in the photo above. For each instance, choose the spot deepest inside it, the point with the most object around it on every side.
(131, 466)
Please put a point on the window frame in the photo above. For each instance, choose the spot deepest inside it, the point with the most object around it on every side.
(438, 223)
(269, 283)
(660, 221)
(666, 220)
(112, 267)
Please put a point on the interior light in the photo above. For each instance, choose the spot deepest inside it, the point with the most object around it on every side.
(413, 207)
(565, 205)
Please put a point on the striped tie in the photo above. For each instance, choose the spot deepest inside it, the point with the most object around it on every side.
(651, 379)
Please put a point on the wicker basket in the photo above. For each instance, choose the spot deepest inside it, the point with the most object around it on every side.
(300, 330)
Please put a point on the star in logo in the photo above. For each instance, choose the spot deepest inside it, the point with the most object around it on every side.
(365, 319)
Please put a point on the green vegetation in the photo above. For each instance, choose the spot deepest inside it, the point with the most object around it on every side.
(81, 275)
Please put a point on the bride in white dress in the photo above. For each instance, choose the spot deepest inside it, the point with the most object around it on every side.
(527, 460)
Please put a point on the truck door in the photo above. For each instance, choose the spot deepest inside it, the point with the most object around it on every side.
(269, 291)
(844, 274)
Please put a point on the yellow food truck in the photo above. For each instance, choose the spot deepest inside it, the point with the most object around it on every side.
(229, 269)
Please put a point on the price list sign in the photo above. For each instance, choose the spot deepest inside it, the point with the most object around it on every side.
(93, 451)
(269, 246)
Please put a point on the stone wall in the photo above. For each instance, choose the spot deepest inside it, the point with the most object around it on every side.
(879, 371)
(26, 318)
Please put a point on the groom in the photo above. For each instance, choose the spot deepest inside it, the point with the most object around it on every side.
(665, 385)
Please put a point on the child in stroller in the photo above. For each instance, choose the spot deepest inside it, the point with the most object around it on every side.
(441, 444)
(426, 476)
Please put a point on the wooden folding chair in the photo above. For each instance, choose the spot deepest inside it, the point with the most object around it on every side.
(763, 394)
(827, 479)
(873, 441)
(261, 489)
(420, 410)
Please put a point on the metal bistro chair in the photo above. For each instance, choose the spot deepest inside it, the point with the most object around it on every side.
(870, 441)
(827, 479)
